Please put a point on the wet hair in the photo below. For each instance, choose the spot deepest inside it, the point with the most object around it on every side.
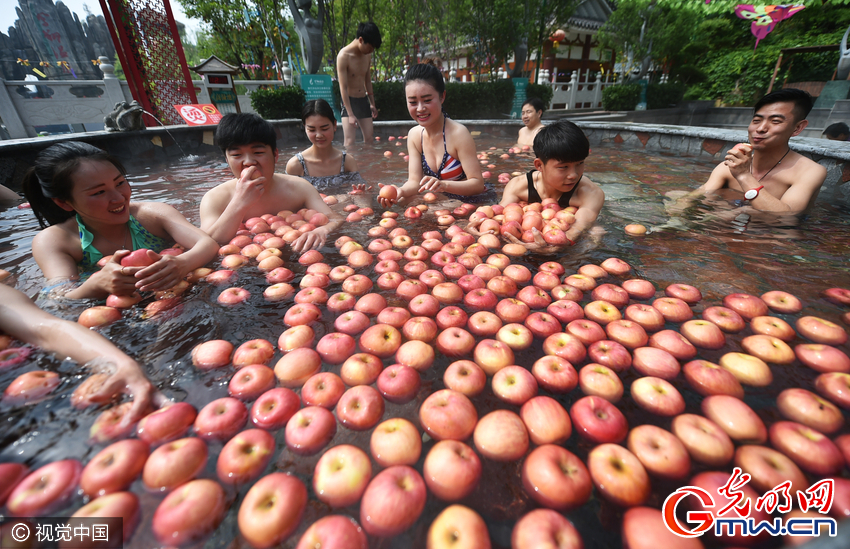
(238, 129)
(803, 102)
(536, 104)
(427, 73)
(52, 177)
(319, 107)
(370, 33)
(562, 141)
(836, 130)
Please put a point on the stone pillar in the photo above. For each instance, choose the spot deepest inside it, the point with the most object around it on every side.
(571, 102)
(113, 86)
(597, 90)
(11, 118)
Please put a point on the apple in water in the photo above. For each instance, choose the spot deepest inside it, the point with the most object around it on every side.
(726, 319)
(748, 306)
(167, 423)
(546, 420)
(245, 456)
(451, 470)
(598, 420)
(657, 396)
(601, 381)
(334, 531)
(782, 302)
(650, 361)
(458, 526)
(309, 430)
(501, 436)
(114, 468)
(706, 442)
(673, 309)
(555, 374)
(772, 326)
(360, 408)
(556, 478)
(341, 475)
(747, 369)
(399, 384)
(643, 528)
(822, 358)
(618, 475)
(189, 513)
(395, 441)
(221, 419)
(448, 415)
(703, 334)
(545, 528)
(809, 409)
(821, 331)
(514, 385)
(707, 378)
(768, 348)
(393, 501)
(273, 409)
(836, 387)
(466, 377)
(738, 420)
(809, 449)
(272, 509)
(660, 452)
(768, 468)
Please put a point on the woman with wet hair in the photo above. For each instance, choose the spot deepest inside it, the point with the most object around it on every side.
(81, 197)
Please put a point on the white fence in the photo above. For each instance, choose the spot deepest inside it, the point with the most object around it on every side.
(580, 92)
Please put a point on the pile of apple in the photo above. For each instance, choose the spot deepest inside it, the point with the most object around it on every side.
(451, 306)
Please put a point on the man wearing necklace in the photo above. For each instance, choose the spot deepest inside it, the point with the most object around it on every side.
(772, 177)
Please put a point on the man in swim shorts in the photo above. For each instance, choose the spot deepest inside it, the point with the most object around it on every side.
(772, 177)
(355, 83)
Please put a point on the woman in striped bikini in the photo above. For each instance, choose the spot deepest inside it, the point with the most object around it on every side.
(442, 152)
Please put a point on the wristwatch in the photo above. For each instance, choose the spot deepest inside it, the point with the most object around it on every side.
(753, 193)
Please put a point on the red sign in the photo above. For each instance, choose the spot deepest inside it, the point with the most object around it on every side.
(199, 115)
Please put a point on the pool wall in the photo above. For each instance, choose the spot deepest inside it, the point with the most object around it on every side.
(161, 145)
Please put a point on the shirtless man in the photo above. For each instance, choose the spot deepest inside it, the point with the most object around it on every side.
(532, 111)
(250, 147)
(772, 177)
(355, 83)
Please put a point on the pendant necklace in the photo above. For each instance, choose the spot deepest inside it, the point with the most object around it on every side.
(771, 169)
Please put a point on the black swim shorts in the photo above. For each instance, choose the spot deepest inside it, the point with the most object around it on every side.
(361, 107)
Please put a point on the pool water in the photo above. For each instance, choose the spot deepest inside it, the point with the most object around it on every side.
(704, 246)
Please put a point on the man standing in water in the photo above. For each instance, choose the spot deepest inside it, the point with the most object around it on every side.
(772, 177)
(355, 83)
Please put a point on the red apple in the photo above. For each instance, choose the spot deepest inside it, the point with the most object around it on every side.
(334, 531)
(395, 441)
(809, 409)
(309, 430)
(657, 396)
(556, 478)
(587, 331)
(221, 419)
(167, 423)
(598, 421)
(822, 358)
(451, 470)
(601, 381)
(175, 463)
(114, 468)
(650, 361)
(618, 475)
(782, 302)
(545, 528)
(297, 366)
(674, 343)
(341, 475)
(772, 326)
(448, 414)
(737, 419)
(611, 354)
(272, 509)
(808, 448)
(546, 420)
(660, 452)
(673, 309)
(245, 456)
(644, 528)
(821, 331)
(706, 442)
(212, 354)
(768, 348)
(381, 340)
(250, 382)
(360, 408)
(452, 342)
(295, 337)
(189, 513)
(748, 306)
(836, 387)
(501, 436)
(703, 334)
(399, 383)
(458, 526)
(707, 378)
(747, 369)
(273, 409)
(393, 501)
(769, 468)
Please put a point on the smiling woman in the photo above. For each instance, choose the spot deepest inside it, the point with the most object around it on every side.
(81, 197)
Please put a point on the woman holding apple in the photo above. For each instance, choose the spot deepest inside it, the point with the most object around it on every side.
(81, 197)
(442, 152)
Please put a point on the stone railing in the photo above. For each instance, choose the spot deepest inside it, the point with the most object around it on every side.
(30, 108)
(580, 91)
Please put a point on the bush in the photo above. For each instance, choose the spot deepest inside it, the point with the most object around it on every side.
(479, 99)
(662, 96)
(541, 91)
(623, 97)
(466, 101)
(277, 103)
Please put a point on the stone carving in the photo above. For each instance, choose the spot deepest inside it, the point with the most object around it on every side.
(309, 29)
(126, 117)
(843, 70)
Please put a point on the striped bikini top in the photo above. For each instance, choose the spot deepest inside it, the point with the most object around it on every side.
(450, 168)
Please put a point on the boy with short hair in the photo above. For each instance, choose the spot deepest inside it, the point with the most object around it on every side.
(561, 149)
(249, 144)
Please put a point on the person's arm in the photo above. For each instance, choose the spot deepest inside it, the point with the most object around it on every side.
(22, 319)
(51, 250)
(294, 167)
(223, 212)
(168, 270)
(590, 201)
(342, 74)
(370, 94)
(315, 239)
(515, 191)
(798, 197)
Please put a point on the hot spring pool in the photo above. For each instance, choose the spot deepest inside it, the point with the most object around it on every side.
(702, 247)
